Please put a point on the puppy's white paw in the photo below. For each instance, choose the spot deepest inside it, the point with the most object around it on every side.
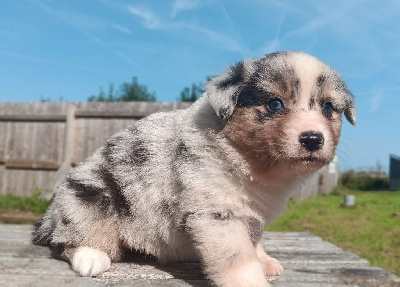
(272, 266)
(250, 274)
(90, 262)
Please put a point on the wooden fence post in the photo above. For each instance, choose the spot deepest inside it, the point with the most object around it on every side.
(69, 141)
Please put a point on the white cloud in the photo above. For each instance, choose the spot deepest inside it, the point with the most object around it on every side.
(121, 28)
(58, 63)
(82, 20)
(84, 24)
(184, 5)
(150, 19)
(375, 102)
(223, 41)
(273, 46)
(243, 48)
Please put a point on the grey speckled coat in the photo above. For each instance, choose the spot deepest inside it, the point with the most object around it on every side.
(203, 182)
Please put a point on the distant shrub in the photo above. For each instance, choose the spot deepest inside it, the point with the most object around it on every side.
(364, 181)
(33, 203)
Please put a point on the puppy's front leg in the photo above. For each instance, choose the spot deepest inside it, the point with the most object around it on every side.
(88, 261)
(228, 254)
(271, 265)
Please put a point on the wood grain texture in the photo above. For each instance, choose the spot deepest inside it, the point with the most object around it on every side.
(308, 261)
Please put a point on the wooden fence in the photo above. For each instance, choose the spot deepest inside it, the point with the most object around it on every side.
(40, 142)
(321, 182)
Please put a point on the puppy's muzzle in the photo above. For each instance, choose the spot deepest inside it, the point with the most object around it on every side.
(311, 141)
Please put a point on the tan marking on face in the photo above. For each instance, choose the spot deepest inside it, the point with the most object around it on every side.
(276, 140)
(305, 120)
(270, 139)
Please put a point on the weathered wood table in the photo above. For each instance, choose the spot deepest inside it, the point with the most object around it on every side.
(308, 261)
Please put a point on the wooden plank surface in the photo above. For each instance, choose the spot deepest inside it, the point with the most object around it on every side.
(308, 261)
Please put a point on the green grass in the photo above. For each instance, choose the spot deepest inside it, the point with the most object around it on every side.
(33, 204)
(370, 229)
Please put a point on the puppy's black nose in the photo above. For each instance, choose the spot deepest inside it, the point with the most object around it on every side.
(311, 141)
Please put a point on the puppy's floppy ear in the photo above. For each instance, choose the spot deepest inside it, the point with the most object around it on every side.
(350, 110)
(348, 98)
(350, 106)
(223, 91)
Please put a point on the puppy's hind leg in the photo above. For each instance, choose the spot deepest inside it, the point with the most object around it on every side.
(227, 252)
(88, 261)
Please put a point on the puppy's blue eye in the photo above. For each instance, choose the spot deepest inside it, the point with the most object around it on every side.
(327, 109)
(275, 104)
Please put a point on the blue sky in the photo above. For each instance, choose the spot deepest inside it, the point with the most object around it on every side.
(67, 50)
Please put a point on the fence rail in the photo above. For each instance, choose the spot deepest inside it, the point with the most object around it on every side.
(40, 142)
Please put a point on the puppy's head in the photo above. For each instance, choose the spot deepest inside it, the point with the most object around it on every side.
(284, 108)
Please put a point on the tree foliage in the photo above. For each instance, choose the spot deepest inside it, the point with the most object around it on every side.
(193, 93)
(127, 92)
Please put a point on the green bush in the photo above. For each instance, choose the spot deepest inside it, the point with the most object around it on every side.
(34, 203)
(363, 181)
